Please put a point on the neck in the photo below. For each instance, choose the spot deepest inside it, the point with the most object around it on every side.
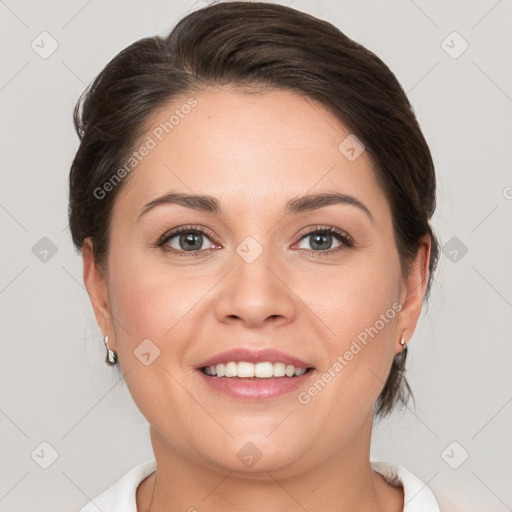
(343, 482)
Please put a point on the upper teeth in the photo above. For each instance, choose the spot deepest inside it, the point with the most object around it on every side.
(259, 370)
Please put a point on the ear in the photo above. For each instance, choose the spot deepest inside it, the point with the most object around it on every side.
(413, 292)
(95, 283)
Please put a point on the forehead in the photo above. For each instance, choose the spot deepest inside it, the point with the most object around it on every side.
(248, 149)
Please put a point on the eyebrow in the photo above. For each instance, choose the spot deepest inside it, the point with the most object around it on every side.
(295, 205)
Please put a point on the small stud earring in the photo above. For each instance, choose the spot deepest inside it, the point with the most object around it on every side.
(404, 345)
(111, 357)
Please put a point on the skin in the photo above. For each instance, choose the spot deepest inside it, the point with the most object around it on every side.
(254, 152)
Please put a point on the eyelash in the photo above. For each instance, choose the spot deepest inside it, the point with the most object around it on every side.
(343, 237)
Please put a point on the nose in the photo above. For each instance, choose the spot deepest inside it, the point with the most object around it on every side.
(255, 293)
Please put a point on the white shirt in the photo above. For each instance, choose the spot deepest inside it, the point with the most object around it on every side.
(121, 497)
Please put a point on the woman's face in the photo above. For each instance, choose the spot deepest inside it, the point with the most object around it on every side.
(262, 276)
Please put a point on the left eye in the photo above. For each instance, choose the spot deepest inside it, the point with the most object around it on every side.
(321, 240)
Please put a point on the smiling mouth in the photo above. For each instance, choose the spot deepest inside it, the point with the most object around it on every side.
(246, 370)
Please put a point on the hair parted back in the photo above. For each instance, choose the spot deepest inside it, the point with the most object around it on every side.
(257, 46)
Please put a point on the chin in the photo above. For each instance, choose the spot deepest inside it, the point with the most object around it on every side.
(256, 455)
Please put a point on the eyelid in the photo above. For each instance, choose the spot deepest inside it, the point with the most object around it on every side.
(185, 228)
(326, 229)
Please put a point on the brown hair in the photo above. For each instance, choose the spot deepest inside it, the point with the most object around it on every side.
(260, 46)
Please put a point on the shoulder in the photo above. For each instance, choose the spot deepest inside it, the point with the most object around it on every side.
(417, 496)
(121, 496)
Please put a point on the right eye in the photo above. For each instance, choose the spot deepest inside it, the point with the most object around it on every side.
(185, 240)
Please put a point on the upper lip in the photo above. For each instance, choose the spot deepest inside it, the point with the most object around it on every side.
(254, 356)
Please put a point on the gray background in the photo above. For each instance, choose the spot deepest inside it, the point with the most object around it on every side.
(56, 387)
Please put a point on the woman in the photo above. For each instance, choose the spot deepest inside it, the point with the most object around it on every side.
(251, 198)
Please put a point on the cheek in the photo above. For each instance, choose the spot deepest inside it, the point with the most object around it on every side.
(356, 296)
(145, 303)
(360, 307)
(151, 300)
(359, 304)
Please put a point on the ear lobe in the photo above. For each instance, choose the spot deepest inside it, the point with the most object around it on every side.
(413, 291)
(96, 286)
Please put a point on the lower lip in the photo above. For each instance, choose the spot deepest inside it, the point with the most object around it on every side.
(255, 389)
